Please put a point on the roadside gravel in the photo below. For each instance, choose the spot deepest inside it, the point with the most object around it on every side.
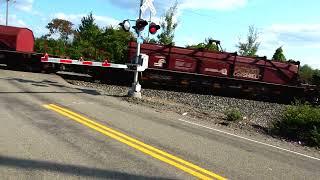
(257, 115)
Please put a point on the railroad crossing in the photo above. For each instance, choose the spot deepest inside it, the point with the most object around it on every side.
(51, 129)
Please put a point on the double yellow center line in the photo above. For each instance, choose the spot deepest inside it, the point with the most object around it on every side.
(138, 145)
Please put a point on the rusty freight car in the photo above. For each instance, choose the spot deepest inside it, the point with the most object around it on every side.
(217, 71)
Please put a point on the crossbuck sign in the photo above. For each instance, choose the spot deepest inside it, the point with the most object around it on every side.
(148, 4)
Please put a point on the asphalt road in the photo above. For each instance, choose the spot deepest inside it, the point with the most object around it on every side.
(46, 133)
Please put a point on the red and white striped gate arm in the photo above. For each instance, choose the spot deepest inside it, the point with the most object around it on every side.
(47, 59)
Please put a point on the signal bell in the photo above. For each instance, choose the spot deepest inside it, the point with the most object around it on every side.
(153, 28)
(125, 25)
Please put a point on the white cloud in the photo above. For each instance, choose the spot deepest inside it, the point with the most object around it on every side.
(24, 5)
(105, 20)
(164, 5)
(76, 19)
(213, 4)
(307, 35)
(186, 4)
(21, 5)
(311, 60)
(12, 21)
(132, 5)
(292, 35)
(300, 41)
(102, 21)
(39, 31)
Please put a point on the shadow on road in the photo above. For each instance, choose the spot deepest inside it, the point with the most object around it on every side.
(47, 83)
(52, 92)
(68, 169)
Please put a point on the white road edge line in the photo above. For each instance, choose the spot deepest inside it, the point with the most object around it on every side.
(230, 134)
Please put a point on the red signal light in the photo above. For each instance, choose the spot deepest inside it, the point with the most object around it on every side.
(153, 28)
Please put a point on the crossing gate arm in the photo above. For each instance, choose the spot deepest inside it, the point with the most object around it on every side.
(47, 59)
(141, 66)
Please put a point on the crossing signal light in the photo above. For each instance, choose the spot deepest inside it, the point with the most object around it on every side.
(153, 28)
(140, 25)
(125, 25)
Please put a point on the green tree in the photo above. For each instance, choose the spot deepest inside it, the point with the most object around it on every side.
(306, 73)
(51, 46)
(316, 77)
(86, 37)
(152, 41)
(168, 26)
(89, 41)
(251, 46)
(88, 29)
(56, 46)
(113, 43)
(300, 122)
(279, 56)
(41, 45)
(208, 45)
(63, 27)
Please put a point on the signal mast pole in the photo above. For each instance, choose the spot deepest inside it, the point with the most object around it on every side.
(149, 26)
(136, 87)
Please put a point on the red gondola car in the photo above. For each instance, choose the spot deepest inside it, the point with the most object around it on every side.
(171, 65)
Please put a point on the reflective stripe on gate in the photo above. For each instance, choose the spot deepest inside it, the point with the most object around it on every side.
(47, 59)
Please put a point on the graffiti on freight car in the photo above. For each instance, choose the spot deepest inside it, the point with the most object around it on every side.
(246, 72)
(222, 71)
(160, 62)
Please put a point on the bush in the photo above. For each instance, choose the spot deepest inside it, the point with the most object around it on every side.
(316, 77)
(300, 123)
(233, 115)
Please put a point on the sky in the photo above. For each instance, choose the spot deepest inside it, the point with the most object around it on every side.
(292, 24)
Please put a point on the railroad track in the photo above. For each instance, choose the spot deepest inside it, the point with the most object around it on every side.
(169, 68)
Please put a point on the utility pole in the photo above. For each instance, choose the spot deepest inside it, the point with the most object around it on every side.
(7, 12)
(136, 87)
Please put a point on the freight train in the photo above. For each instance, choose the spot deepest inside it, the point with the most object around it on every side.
(224, 72)
(171, 66)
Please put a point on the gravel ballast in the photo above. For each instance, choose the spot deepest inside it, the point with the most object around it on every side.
(257, 115)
